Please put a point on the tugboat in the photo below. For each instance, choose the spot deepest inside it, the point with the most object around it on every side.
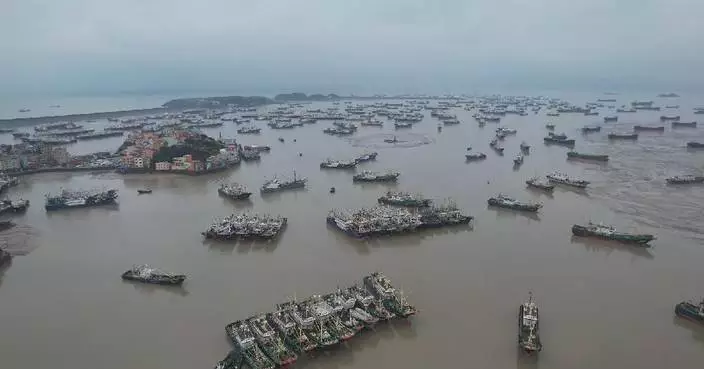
(535, 182)
(528, 336)
(145, 274)
(338, 164)
(504, 201)
(691, 310)
(609, 233)
(685, 179)
(270, 342)
(594, 157)
(241, 335)
(623, 136)
(234, 191)
(144, 191)
(293, 334)
(525, 148)
(368, 176)
(475, 156)
(562, 178)
(275, 185)
(404, 199)
(391, 298)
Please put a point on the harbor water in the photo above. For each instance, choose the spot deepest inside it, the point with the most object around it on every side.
(63, 305)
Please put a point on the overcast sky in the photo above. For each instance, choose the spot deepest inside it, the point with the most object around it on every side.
(75, 46)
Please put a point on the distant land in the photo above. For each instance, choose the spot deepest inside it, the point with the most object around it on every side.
(216, 102)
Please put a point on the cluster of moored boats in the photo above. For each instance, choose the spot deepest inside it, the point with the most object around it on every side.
(243, 226)
(278, 338)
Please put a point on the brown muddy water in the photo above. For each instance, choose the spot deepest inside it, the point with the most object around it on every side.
(63, 305)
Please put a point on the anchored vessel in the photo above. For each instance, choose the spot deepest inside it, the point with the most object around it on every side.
(234, 191)
(293, 334)
(684, 124)
(404, 199)
(691, 310)
(369, 176)
(649, 128)
(695, 145)
(238, 226)
(392, 298)
(528, 335)
(475, 156)
(248, 130)
(564, 179)
(366, 157)
(518, 160)
(623, 136)
(559, 140)
(504, 201)
(270, 342)
(538, 183)
(588, 129)
(594, 157)
(338, 164)
(609, 233)
(275, 185)
(75, 199)
(494, 144)
(241, 335)
(313, 327)
(146, 274)
(685, 179)
(525, 148)
(17, 206)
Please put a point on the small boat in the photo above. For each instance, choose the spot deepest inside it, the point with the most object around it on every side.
(525, 148)
(535, 182)
(623, 136)
(589, 129)
(684, 179)
(332, 189)
(475, 156)
(669, 117)
(504, 201)
(691, 310)
(609, 233)
(146, 274)
(550, 127)
(281, 139)
(495, 145)
(695, 145)
(528, 336)
(612, 118)
(518, 160)
(649, 128)
(144, 190)
(594, 157)
(562, 178)
(684, 124)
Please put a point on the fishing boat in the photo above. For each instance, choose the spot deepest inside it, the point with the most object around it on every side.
(234, 191)
(325, 315)
(609, 233)
(684, 124)
(525, 148)
(612, 118)
(392, 298)
(74, 199)
(494, 144)
(369, 176)
(366, 157)
(583, 156)
(5, 257)
(665, 118)
(691, 310)
(528, 335)
(623, 136)
(518, 160)
(242, 336)
(404, 199)
(475, 156)
(146, 274)
(561, 178)
(536, 182)
(684, 179)
(275, 184)
(338, 164)
(550, 127)
(399, 125)
(292, 333)
(233, 360)
(557, 140)
(589, 129)
(369, 303)
(695, 145)
(649, 128)
(249, 130)
(243, 226)
(504, 201)
(270, 342)
(144, 191)
(314, 328)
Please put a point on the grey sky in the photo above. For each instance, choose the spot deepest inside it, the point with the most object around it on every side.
(347, 46)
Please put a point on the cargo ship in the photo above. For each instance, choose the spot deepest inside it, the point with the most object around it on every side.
(609, 233)
(249, 130)
(146, 274)
(583, 156)
(75, 199)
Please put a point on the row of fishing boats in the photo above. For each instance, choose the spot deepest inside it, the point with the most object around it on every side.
(278, 338)
(244, 226)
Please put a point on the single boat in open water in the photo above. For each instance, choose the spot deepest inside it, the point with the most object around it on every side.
(609, 233)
